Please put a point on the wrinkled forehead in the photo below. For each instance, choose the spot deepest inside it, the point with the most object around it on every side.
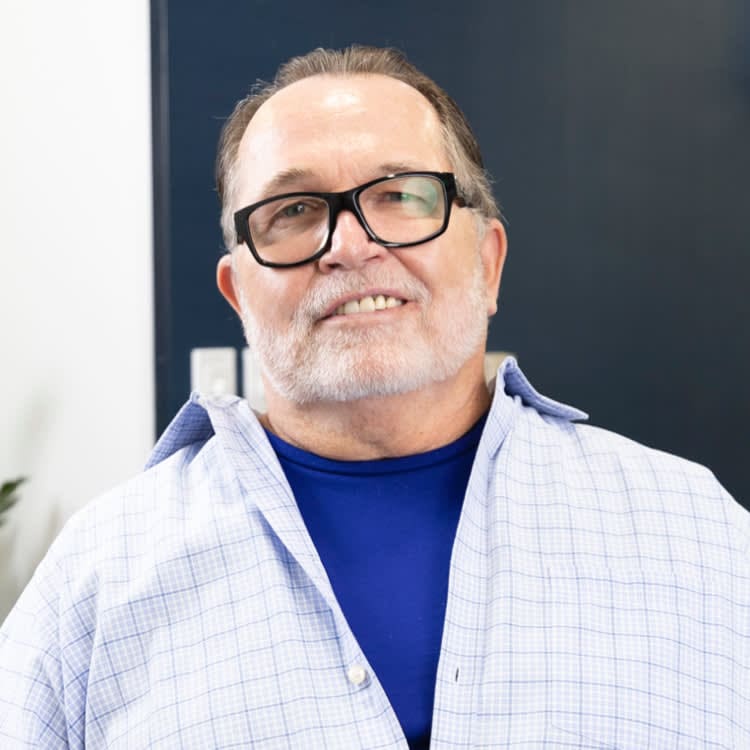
(338, 128)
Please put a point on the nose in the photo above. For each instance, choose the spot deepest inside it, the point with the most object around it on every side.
(351, 247)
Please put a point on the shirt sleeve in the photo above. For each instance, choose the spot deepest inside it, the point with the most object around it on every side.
(32, 711)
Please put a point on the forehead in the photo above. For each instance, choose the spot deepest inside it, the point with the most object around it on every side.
(337, 130)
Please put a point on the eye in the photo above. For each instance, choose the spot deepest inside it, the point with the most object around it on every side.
(279, 219)
(412, 203)
(407, 196)
(395, 196)
(295, 212)
(293, 209)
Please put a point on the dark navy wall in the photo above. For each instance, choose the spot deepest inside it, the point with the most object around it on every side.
(619, 138)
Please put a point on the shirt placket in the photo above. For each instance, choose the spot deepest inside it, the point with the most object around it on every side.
(375, 723)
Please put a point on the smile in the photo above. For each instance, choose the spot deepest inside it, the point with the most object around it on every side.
(368, 304)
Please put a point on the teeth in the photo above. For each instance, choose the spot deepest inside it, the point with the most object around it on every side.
(368, 304)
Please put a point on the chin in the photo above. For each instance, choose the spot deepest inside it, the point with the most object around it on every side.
(304, 365)
(348, 376)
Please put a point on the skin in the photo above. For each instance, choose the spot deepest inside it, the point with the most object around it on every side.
(332, 133)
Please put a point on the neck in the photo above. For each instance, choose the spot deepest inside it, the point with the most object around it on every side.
(386, 427)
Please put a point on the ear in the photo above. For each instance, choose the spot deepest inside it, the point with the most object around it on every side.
(225, 280)
(493, 249)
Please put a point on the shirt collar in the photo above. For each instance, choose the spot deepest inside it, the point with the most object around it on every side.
(511, 390)
(515, 383)
(196, 421)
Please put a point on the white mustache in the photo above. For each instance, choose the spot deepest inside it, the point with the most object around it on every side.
(319, 299)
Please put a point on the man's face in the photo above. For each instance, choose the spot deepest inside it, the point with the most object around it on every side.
(331, 133)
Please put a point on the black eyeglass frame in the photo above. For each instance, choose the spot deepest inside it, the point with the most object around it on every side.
(348, 200)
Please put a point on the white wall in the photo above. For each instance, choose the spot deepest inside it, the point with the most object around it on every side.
(76, 330)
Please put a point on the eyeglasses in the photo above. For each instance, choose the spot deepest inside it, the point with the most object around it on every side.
(399, 210)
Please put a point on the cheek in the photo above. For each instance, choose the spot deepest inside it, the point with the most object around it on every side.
(274, 294)
(458, 261)
(453, 274)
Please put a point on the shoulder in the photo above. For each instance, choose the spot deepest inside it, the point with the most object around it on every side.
(590, 492)
(642, 503)
(108, 574)
(189, 480)
(117, 536)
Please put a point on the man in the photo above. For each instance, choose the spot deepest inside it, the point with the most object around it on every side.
(392, 555)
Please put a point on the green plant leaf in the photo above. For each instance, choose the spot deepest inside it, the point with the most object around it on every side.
(8, 496)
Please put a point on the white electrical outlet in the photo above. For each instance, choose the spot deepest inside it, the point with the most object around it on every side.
(213, 370)
(252, 384)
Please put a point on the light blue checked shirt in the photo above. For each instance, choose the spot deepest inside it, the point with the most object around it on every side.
(598, 598)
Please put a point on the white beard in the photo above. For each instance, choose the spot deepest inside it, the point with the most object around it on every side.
(305, 364)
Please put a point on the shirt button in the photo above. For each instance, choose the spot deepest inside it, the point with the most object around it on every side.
(356, 674)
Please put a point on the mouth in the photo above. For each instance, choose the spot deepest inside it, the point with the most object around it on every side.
(367, 304)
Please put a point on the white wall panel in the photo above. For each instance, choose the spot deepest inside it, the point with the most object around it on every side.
(76, 330)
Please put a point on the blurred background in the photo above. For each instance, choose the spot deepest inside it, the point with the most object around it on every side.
(618, 135)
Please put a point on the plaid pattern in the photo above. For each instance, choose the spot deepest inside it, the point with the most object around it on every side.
(598, 598)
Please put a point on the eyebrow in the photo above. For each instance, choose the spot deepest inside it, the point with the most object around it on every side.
(289, 180)
(282, 181)
(395, 167)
